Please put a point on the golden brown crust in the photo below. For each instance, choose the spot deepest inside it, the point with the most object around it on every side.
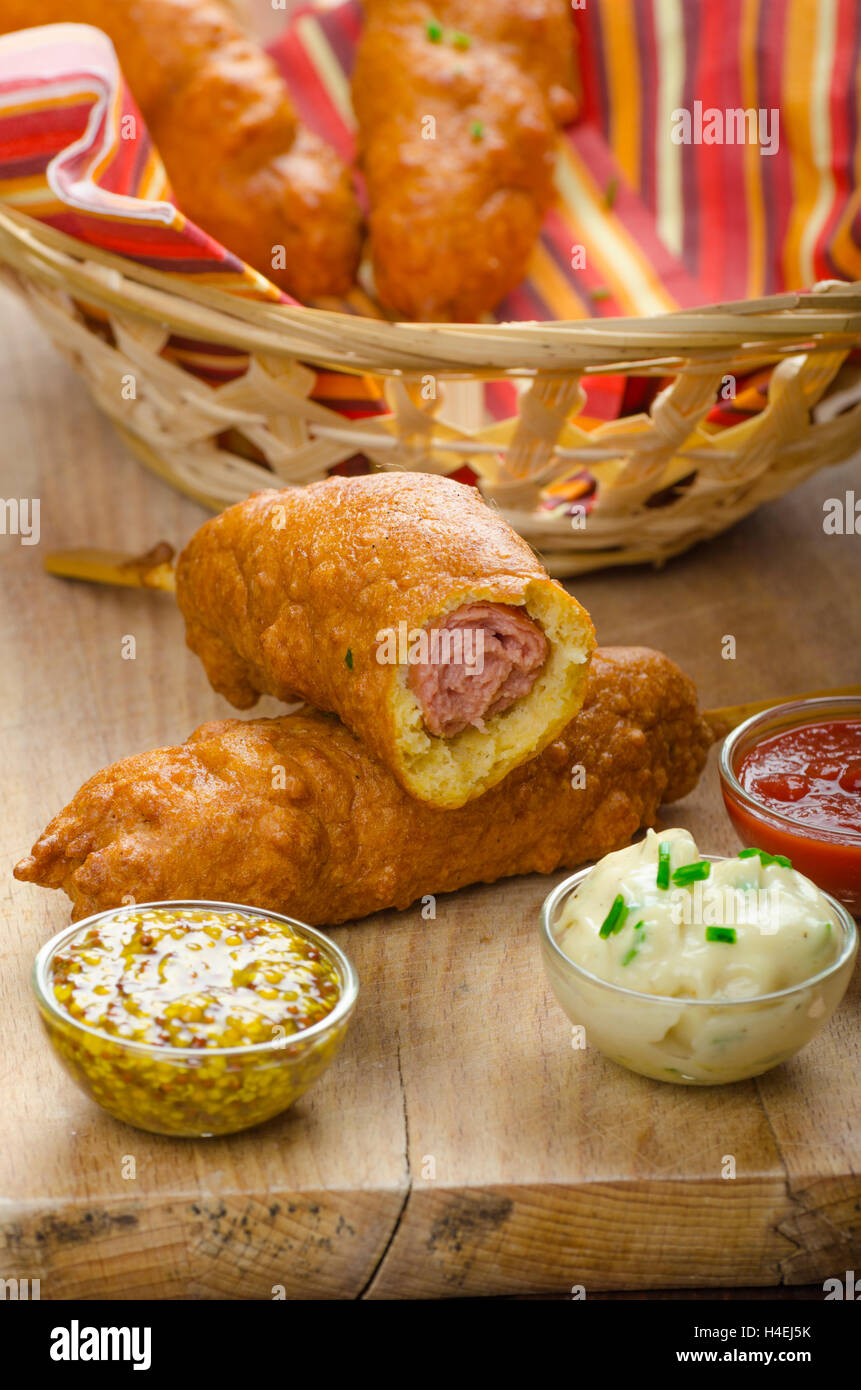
(456, 206)
(240, 163)
(287, 593)
(295, 815)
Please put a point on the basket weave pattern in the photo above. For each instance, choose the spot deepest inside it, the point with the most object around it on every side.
(705, 479)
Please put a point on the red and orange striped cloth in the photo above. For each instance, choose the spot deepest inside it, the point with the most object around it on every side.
(75, 153)
(660, 224)
(666, 225)
(742, 223)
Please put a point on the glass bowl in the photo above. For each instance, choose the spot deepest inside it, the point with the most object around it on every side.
(693, 1042)
(832, 861)
(187, 1091)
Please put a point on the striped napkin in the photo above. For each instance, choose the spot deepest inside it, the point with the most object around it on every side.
(644, 222)
(75, 153)
(665, 224)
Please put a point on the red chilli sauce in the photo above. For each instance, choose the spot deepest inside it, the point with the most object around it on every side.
(810, 776)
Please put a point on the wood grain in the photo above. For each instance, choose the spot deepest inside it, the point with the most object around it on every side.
(459, 1145)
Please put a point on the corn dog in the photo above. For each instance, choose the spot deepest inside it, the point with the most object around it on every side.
(403, 604)
(296, 815)
(457, 106)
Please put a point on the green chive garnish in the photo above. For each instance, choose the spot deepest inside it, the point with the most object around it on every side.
(765, 858)
(692, 873)
(349, 659)
(615, 919)
(664, 864)
(610, 192)
(600, 292)
(476, 130)
(461, 40)
(726, 934)
(629, 955)
(434, 31)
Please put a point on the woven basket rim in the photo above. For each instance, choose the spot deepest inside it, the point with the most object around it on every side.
(752, 331)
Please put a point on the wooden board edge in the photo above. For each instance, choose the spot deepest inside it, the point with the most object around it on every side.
(562, 1240)
(271, 1245)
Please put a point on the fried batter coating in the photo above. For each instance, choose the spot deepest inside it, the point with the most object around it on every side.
(295, 815)
(318, 593)
(457, 106)
(241, 164)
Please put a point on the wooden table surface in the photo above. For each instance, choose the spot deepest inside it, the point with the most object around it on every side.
(459, 1145)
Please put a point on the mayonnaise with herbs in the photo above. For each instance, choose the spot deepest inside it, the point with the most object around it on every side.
(705, 940)
(703, 930)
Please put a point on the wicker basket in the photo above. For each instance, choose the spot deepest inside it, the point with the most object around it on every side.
(664, 479)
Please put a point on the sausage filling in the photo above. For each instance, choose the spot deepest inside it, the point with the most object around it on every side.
(480, 659)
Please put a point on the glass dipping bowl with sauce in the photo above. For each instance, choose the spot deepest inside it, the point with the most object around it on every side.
(690, 1041)
(791, 783)
(200, 1088)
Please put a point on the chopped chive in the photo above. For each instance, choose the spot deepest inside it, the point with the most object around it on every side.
(726, 934)
(765, 858)
(615, 919)
(664, 864)
(629, 955)
(434, 31)
(349, 659)
(599, 292)
(692, 873)
(610, 192)
(461, 41)
(476, 130)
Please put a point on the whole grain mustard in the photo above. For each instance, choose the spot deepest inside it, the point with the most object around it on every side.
(194, 977)
(165, 990)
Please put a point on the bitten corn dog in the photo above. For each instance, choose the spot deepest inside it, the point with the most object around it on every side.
(240, 162)
(403, 604)
(296, 815)
(457, 106)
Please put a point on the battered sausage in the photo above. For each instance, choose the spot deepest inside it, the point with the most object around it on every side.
(323, 593)
(457, 107)
(295, 815)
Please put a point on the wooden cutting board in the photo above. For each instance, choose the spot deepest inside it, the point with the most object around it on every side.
(459, 1145)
